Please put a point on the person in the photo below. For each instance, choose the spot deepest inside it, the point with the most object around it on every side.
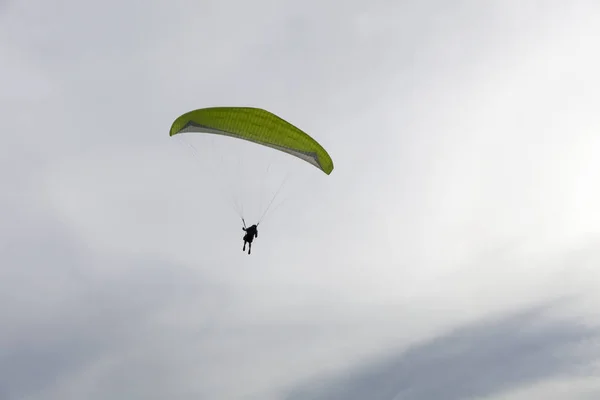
(251, 233)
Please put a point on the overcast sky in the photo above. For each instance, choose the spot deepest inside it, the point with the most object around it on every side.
(452, 254)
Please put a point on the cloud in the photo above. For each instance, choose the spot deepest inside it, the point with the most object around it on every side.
(464, 137)
(485, 358)
(67, 310)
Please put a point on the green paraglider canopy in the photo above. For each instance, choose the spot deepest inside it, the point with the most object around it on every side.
(258, 126)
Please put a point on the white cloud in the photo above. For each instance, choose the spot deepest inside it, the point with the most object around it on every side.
(465, 185)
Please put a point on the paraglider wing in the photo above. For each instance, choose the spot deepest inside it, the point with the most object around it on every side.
(258, 126)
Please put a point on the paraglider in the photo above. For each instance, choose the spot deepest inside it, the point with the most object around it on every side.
(258, 126)
(251, 233)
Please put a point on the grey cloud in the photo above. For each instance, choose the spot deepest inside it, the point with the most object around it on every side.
(481, 359)
(109, 77)
(64, 307)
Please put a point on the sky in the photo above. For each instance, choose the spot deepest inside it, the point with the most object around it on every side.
(452, 253)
